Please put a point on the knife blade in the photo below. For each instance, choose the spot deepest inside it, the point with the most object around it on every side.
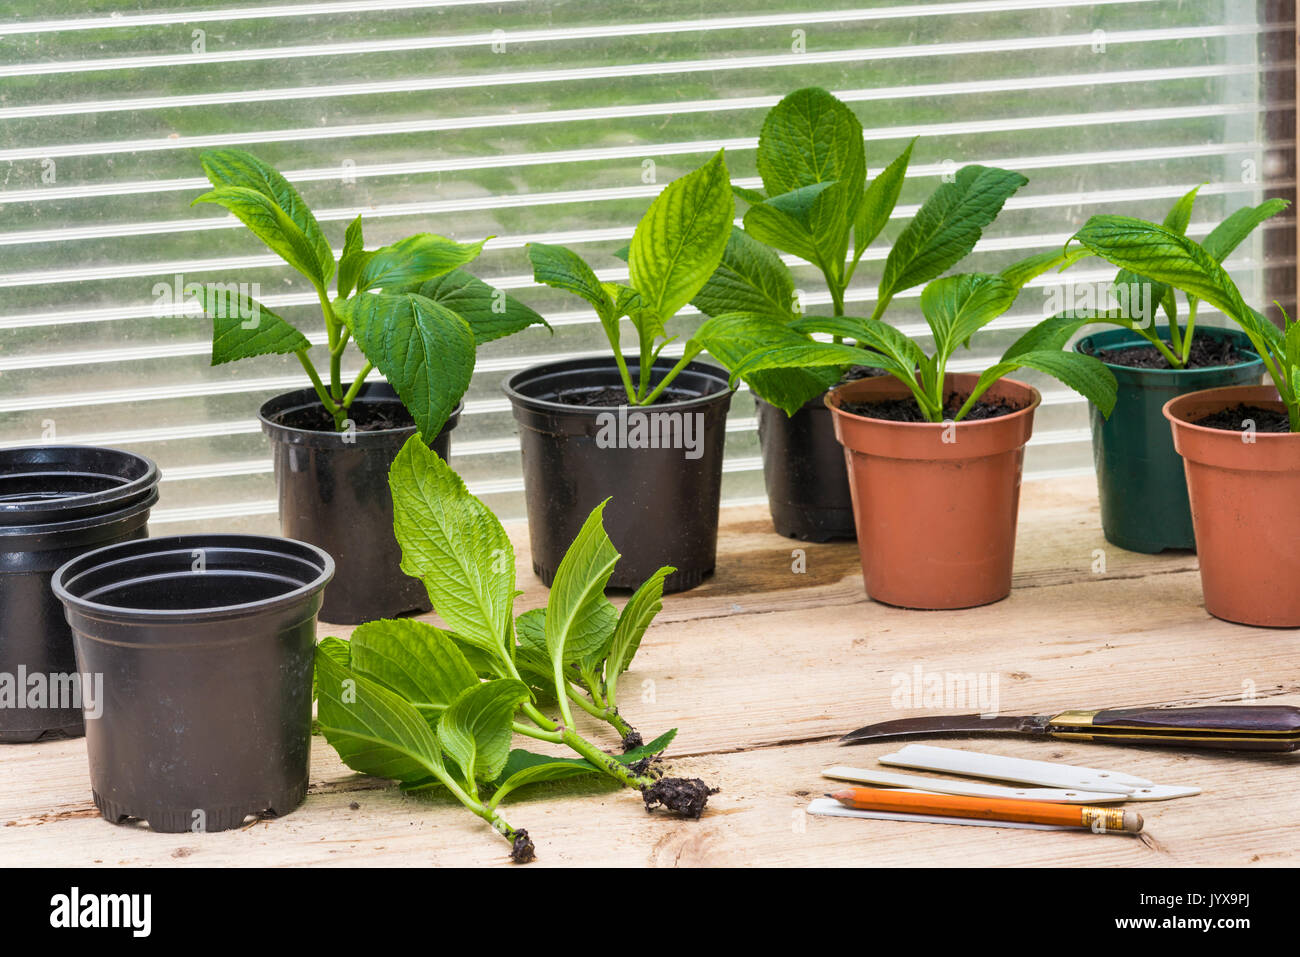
(1220, 727)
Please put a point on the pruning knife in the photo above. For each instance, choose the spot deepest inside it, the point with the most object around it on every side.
(1222, 727)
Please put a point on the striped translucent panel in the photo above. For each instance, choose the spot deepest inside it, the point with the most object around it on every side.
(556, 122)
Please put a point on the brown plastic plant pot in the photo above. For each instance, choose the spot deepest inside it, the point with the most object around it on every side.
(935, 504)
(1243, 495)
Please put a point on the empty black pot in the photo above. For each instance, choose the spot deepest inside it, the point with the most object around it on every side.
(803, 469)
(665, 500)
(56, 502)
(201, 647)
(333, 491)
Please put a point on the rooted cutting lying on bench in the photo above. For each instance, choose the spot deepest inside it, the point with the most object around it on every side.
(433, 707)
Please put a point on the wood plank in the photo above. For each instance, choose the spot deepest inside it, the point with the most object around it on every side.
(757, 819)
(761, 669)
(1059, 541)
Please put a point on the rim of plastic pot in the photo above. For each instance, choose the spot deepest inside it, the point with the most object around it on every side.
(298, 399)
(141, 474)
(1206, 401)
(1223, 448)
(895, 439)
(110, 567)
(1088, 344)
(83, 523)
(515, 384)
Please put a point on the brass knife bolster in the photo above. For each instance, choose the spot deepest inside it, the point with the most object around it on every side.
(1073, 725)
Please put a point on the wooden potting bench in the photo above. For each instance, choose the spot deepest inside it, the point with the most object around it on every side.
(762, 669)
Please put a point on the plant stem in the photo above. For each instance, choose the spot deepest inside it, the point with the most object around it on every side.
(530, 731)
(1165, 351)
(626, 376)
(607, 714)
(316, 383)
(837, 304)
(647, 349)
(1191, 327)
(837, 297)
(682, 363)
(337, 341)
(605, 762)
(536, 717)
(485, 811)
(356, 386)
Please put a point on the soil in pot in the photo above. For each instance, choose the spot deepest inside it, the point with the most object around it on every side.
(1140, 480)
(1242, 417)
(333, 493)
(1208, 351)
(661, 464)
(906, 410)
(1243, 486)
(803, 468)
(55, 503)
(935, 503)
(200, 650)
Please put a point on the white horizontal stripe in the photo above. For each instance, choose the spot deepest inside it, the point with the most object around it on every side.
(232, 265)
(731, 65)
(731, 464)
(622, 111)
(186, 473)
(580, 316)
(507, 364)
(129, 438)
(206, 513)
(116, 20)
(145, 393)
(507, 38)
(1043, 475)
(638, 151)
(135, 20)
(495, 201)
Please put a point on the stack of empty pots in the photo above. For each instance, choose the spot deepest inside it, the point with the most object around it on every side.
(56, 502)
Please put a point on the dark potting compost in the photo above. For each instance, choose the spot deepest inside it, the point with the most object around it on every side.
(1206, 352)
(1237, 419)
(372, 417)
(906, 410)
(614, 396)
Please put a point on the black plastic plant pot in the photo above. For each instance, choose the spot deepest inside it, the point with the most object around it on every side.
(1140, 479)
(333, 492)
(55, 503)
(41, 484)
(662, 465)
(803, 469)
(199, 651)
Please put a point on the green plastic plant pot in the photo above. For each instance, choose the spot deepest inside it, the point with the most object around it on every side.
(1140, 479)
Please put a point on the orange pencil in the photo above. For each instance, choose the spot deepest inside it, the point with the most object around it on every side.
(991, 809)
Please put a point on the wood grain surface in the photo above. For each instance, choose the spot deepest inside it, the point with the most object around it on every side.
(761, 669)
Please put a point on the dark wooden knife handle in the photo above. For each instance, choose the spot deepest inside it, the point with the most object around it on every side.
(1248, 727)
